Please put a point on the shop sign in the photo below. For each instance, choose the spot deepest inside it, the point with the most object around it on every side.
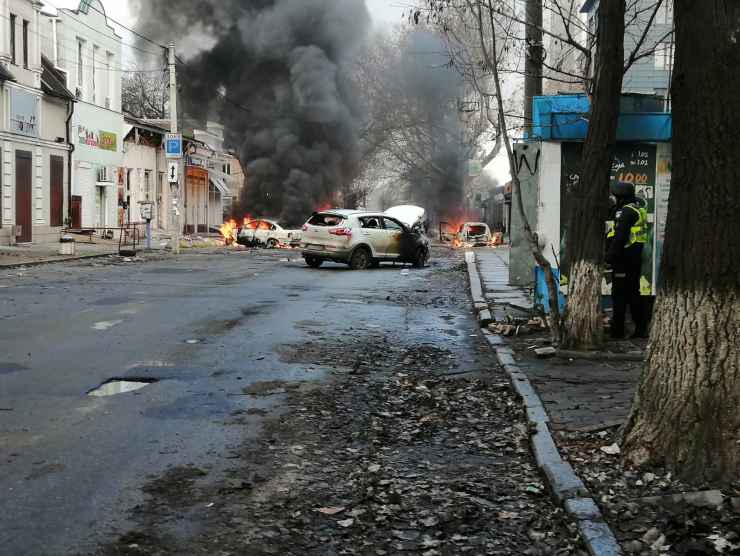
(104, 140)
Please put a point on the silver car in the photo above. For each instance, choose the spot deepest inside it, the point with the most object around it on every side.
(364, 239)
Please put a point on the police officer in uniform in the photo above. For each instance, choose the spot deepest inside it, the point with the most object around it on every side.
(625, 242)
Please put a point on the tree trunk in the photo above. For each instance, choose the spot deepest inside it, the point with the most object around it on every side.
(533, 61)
(583, 327)
(685, 414)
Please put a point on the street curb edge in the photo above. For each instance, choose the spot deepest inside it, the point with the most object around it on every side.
(567, 488)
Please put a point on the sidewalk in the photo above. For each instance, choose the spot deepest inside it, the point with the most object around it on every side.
(579, 395)
(39, 254)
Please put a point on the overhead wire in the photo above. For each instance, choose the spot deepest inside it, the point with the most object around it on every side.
(73, 42)
(70, 14)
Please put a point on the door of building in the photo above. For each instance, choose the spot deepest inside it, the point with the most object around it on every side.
(56, 191)
(76, 210)
(23, 214)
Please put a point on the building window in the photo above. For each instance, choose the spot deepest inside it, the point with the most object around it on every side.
(109, 75)
(94, 71)
(664, 57)
(25, 44)
(79, 64)
(13, 59)
(664, 15)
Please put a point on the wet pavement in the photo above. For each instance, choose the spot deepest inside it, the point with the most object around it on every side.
(578, 395)
(228, 345)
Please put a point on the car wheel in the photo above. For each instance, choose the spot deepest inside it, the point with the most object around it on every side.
(361, 259)
(313, 262)
(421, 257)
(272, 243)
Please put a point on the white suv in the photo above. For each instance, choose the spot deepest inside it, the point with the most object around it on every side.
(365, 239)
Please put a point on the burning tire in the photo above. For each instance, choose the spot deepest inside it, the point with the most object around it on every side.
(361, 259)
(313, 262)
(272, 243)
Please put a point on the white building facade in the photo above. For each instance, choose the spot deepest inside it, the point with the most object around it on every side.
(143, 175)
(34, 140)
(87, 50)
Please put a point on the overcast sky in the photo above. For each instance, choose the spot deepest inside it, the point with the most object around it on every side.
(383, 12)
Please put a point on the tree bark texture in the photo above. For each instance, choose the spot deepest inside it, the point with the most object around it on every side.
(686, 413)
(583, 327)
(533, 61)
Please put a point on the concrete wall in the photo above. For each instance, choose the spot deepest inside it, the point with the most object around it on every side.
(548, 206)
(528, 158)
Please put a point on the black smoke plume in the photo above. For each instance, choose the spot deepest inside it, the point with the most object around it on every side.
(275, 73)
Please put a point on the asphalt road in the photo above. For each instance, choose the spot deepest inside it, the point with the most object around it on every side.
(205, 326)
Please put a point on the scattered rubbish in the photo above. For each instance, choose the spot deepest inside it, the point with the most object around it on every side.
(701, 499)
(405, 272)
(117, 386)
(346, 522)
(545, 352)
(193, 341)
(210, 505)
(331, 511)
(106, 325)
(612, 449)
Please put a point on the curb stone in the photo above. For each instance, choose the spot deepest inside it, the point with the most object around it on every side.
(565, 485)
(52, 261)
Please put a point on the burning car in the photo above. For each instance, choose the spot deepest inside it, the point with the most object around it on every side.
(363, 239)
(475, 234)
(267, 233)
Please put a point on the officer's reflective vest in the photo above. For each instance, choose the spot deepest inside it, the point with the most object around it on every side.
(638, 232)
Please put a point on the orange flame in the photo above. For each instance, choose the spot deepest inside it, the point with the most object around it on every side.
(228, 231)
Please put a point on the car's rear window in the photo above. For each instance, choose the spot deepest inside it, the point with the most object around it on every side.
(476, 230)
(324, 219)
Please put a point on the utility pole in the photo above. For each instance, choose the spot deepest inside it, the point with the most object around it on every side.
(533, 59)
(180, 186)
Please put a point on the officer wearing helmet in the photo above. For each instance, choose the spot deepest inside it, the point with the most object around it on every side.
(625, 241)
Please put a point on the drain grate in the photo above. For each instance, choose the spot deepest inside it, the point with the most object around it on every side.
(116, 386)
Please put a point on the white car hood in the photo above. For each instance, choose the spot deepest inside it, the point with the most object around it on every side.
(408, 214)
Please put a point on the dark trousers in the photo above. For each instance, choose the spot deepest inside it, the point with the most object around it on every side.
(626, 292)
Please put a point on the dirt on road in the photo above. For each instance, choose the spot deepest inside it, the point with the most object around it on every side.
(405, 449)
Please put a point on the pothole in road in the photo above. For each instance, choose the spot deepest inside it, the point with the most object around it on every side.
(116, 386)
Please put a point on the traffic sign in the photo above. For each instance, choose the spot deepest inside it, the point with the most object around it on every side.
(173, 172)
(173, 145)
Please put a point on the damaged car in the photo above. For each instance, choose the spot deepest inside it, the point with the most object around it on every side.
(267, 233)
(364, 239)
(475, 234)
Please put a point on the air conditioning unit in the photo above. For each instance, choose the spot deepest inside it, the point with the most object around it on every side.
(103, 174)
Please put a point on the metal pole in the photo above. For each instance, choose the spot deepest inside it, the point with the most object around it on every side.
(148, 234)
(179, 187)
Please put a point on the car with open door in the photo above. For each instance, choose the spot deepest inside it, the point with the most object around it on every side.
(364, 239)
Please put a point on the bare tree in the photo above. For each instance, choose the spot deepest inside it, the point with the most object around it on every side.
(575, 59)
(145, 94)
(685, 414)
(418, 121)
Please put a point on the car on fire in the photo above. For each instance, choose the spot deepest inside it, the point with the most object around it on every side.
(475, 234)
(364, 239)
(267, 233)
